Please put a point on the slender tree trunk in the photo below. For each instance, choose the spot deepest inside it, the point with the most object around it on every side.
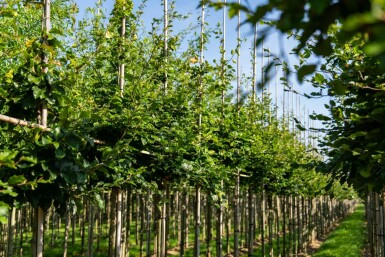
(113, 224)
(263, 221)
(142, 225)
(236, 217)
(118, 237)
(219, 226)
(284, 215)
(183, 234)
(91, 224)
(83, 225)
(148, 224)
(73, 228)
(209, 235)
(23, 225)
(228, 228)
(270, 224)
(98, 228)
(197, 221)
(11, 232)
(128, 222)
(278, 221)
(67, 229)
(251, 222)
(137, 213)
(37, 242)
(163, 223)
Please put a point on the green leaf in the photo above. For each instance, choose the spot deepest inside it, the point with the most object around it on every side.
(305, 70)
(365, 172)
(60, 153)
(16, 180)
(319, 78)
(34, 80)
(4, 213)
(38, 93)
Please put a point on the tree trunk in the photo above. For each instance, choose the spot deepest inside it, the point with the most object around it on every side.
(11, 232)
(128, 222)
(38, 233)
(112, 233)
(91, 224)
(219, 226)
(197, 221)
(148, 224)
(236, 217)
(209, 235)
(163, 217)
(251, 223)
(67, 229)
(183, 235)
(118, 237)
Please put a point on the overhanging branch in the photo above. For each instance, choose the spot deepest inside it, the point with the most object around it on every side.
(20, 122)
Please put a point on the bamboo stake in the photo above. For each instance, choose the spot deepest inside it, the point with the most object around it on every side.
(165, 49)
(42, 118)
(223, 52)
(200, 100)
(220, 208)
(239, 60)
(254, 78)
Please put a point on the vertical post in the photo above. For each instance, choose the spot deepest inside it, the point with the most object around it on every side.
(121, 65)
(46, 24)
(165, 49)
(239, 60)
(37, 241)
(254, 79)
(223, 61)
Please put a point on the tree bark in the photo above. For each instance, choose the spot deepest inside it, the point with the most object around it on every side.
(11, 232)
(236, 217)
(209, 235)
(91, 224)
(197, 221)
(67, 229)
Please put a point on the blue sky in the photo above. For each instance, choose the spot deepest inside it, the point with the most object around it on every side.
(154, 9)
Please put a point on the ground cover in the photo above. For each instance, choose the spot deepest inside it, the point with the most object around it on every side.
(348, 239)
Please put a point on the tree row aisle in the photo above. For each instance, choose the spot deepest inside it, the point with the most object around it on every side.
(348, 239)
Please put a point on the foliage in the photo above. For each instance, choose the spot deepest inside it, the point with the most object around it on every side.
(144, 136)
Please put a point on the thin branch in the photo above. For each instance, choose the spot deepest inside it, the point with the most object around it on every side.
(29, 124)
(16, 121)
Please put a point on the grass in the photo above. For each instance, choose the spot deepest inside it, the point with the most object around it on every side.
(348, 239)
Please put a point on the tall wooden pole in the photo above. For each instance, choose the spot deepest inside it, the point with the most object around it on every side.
(163, 220)
(118, 191)
(165, 49)
(220, 205)
(37, 242)
(254, 78)
(239, 60)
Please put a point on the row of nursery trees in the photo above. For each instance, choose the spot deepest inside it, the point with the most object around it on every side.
(131, 142)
